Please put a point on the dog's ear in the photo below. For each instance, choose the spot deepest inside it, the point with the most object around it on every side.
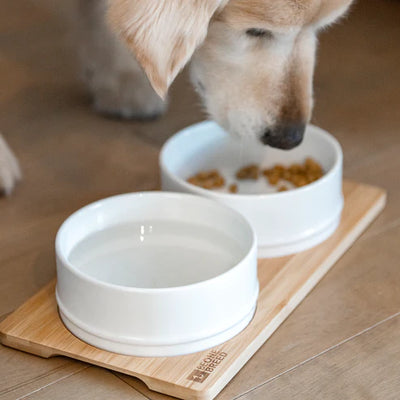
(163, 34)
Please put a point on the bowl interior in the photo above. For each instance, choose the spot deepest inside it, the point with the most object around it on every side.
(206, 146)
(153, 240)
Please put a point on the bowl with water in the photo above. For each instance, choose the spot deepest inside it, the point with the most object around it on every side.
(156, 273)
(285, 222)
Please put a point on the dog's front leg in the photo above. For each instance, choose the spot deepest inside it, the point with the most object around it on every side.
(117, 83)
(10, 172)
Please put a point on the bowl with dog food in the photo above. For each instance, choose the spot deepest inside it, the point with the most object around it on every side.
(156, 273)
(292, 198)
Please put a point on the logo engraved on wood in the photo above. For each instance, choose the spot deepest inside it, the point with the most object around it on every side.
(207, 366)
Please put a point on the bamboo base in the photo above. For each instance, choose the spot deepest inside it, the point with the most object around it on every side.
(36, 328)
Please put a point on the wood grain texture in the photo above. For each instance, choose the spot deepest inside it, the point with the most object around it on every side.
(284, 282)
(333, 375)
(89, 384)
(28, 386)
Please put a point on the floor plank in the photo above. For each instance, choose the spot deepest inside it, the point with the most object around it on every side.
(371, 372)
(382, 169)
(27, 387)
(19, 370)
(91, 383)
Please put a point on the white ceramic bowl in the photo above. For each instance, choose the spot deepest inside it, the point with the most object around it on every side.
(156, 274)
(285, 222)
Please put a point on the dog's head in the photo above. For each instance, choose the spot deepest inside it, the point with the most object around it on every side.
(253, 60)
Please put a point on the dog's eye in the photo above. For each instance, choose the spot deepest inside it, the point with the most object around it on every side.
(257, 32)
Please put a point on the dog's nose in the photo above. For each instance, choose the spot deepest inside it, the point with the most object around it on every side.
(284, 137)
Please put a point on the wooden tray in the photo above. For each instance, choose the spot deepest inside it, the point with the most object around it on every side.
(36, 328)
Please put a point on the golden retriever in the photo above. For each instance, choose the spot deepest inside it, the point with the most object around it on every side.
(252, 61)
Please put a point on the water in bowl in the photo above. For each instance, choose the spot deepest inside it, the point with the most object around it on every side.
(156, 254)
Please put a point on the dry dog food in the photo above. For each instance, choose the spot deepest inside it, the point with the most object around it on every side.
(208, 179)
(233, 188)
(296, 174)
(251, 171)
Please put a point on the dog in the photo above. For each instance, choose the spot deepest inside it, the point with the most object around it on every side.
(252, 61)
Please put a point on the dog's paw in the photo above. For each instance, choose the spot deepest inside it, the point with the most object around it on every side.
(127, 95)
(10, 171)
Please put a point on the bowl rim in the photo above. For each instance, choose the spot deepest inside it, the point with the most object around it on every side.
(63, 258)
(243, 196)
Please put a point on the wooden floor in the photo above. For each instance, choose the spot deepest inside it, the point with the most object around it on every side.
(343, 342)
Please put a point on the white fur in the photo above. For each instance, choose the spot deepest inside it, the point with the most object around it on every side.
(163, 34)
(243, 76)
(247, 84)
(331, 17)
(116, 81)
(10, 171)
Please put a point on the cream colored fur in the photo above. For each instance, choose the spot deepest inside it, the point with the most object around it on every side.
(248, 84)
(10, 171)
(162, 34)
(114, 78)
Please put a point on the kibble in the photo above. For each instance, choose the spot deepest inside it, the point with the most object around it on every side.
(208, 179)
(296, 174)
(233, 188)
(251, 171)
